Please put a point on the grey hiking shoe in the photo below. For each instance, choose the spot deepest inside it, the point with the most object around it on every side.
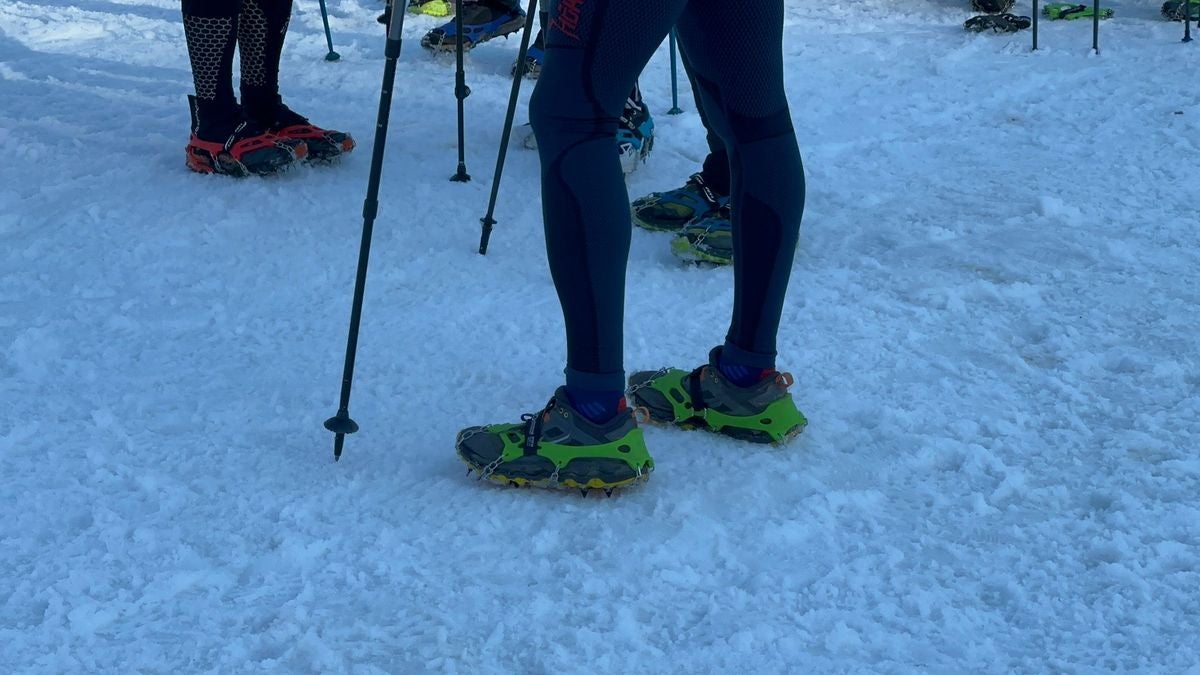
(558, 448)
(705, 399)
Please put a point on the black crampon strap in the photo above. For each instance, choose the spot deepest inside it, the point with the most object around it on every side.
(533, 428)
(695, 391)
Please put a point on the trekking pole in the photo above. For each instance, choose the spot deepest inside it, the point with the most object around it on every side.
(461, 92)
(488, 221)
(1187, 21)
(1035, 25)
(341, 424)
(332, 55)
(1096, 26)
(674, 78)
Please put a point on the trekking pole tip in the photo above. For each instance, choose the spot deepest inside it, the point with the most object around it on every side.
(340, 424)
(486, 234)
(333, 56)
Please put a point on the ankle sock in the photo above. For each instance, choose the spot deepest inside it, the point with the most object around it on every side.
(597, 406)
(741, 375)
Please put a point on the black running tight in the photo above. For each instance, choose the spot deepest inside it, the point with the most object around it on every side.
(595, 51)
(212, 27)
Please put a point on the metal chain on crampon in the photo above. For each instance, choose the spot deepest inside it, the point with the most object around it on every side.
(642, 385)
(486, 472)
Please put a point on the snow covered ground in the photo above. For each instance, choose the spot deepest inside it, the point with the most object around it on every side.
(993, 324)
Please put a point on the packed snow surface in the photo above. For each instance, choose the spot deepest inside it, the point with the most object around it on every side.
(992, 323)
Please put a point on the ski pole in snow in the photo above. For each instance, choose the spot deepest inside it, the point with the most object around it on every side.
(487, 220)
(1035, 24)
(341, 424)
(332, 55)
(461, 92)
(674, 78)
(1187, 21)
(1096, 26)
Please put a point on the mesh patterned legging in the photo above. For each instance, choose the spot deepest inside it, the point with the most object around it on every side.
(595, 50)
(212, 28)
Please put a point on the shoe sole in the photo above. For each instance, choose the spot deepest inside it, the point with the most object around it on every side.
(235, 169)
(568, 478)
(683, 249)
(651, 227)
(317, 155)
(736, 433)
(665, 418)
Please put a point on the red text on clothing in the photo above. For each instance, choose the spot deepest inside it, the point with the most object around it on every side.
(567, 20)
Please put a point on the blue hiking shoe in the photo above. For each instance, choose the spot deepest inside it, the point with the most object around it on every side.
(534, 57)
(672, 210)
(708, 238)
(635, 134)
(481, 22)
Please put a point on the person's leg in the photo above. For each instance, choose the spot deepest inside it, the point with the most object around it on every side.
(715, 170)
(222, 141)
(585, 436)
(262, 29)
(735, 50)
(210, 27)
(594, 54)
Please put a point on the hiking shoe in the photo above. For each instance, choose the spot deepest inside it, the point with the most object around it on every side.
(997, 23)
(438, 8)
(1066, 10)
(432, 7)
(708, 238)
(324, 145)
(558, 448)
(238, 148)
(670, 211)
(1178, 10)
(705, 399)
(481, 22)
(635, 133)
(992, 6)
(534, 57)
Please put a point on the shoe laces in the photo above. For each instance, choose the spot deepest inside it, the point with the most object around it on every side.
(533, 426)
